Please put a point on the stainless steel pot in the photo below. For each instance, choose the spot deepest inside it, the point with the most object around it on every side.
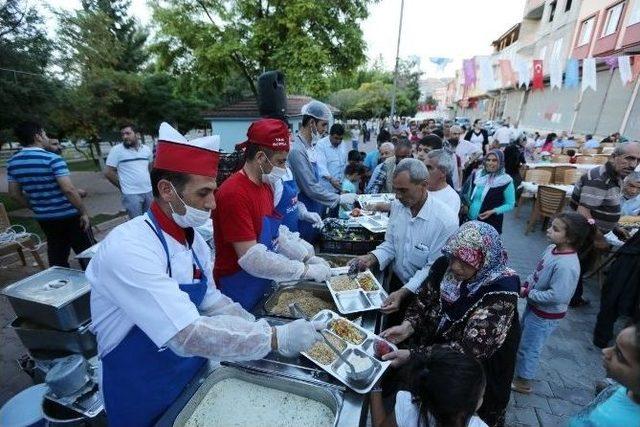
(57, 297)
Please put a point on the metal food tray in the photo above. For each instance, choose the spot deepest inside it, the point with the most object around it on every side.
(365, 199)
(317, 289)
(366, 348)
(326, 396)
(357, 300)
(37, 337)
(375, 224)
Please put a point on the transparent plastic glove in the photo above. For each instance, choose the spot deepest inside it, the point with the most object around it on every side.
(292, 246)
(311, 217)
(260, 262)
(318, 272)
(297, 336)
(218, 304)
(318, 260)
(347, 199)
(223, 338)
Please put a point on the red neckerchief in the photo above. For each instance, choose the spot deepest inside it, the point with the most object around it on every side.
(168, 225)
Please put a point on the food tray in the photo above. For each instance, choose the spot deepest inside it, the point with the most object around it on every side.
(358, 299)
(375, 224)
(629, 221)
(365, 199)
(318, 290)
(337, 368)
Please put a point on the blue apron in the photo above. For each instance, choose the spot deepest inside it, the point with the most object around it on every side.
(288, 205)
(244, 288)
(139, 380)
(307, 232)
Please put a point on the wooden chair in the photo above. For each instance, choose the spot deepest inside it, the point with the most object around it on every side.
(571, 176)
(585, 159)
(538, 176)
(19, 244)
(600, 160)
(549, 202)
(588, 151)
(560, 158)
(558, 174)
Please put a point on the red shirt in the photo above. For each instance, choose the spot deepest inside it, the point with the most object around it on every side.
(240, 206)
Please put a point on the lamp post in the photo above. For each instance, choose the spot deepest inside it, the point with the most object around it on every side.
(395, 72)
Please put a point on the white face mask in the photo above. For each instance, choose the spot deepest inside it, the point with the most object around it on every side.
(193, 217)
(315, 135)
(276, 174)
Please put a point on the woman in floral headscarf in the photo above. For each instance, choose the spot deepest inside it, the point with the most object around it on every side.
(468, 302)
(489, 192)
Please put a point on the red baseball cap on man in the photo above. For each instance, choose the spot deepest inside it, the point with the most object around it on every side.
(269, 133)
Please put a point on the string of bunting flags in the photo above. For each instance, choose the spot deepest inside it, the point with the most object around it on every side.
(520, 72)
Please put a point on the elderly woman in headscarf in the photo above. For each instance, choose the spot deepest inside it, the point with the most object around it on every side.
(489, 192)
(469, 303)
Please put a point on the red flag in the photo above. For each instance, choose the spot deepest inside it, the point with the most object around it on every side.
(538, 82)
(635, 71)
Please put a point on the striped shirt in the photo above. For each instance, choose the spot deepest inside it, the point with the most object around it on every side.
(37, 170)
(599, 190)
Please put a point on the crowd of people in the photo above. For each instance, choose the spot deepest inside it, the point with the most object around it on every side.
(453, 300)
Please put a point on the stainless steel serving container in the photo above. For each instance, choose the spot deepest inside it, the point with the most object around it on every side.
(37, 337)
(319, 290)
(325, 395)
(57, 297)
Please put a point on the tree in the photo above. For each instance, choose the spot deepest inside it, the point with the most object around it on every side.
(26, 91)
(307, 40)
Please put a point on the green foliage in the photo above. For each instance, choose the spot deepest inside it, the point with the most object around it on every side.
(307, 40)
(26, 92)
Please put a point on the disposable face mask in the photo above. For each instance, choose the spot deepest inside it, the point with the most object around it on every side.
(315, 136)
(192, 217)
(276, 174)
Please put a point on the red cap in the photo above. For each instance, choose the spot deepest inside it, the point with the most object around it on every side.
(269, 133)
(197, 157)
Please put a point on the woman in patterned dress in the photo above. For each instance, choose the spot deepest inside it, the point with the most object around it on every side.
(468, 302)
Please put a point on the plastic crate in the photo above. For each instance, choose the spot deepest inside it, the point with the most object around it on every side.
(351, 247)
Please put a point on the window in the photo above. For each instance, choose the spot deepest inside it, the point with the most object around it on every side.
(586, 30)
(552, 10)
(634, 16)
(612, 19)
(567, 6)
(557, 49)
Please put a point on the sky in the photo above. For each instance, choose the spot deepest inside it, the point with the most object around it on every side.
(454, 29)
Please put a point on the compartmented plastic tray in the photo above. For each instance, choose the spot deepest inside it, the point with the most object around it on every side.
(353, 297)
(362, 344)
(375, 224)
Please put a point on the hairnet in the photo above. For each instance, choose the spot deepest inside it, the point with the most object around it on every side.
(318, 110)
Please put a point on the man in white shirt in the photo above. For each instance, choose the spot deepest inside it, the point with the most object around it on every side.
(156, 311)
(504, 134)
(419, 226)
(332, 158)
(127, 168)
(440, 166)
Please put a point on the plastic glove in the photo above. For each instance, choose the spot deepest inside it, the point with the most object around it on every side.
(347, 199)
(292, 246)
(316, 219)
(260, 262)
(317, 272)
(318, 260)
(297, 336)
(307, 216)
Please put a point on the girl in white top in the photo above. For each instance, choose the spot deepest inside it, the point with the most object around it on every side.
(446, 390)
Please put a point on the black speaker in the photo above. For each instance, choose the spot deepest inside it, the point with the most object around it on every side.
(272, 95)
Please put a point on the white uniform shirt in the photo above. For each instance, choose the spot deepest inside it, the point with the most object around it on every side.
(133, 168)
(448, 197)
(414, 243)
(130, 285)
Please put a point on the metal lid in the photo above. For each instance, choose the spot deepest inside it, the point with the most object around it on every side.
(55, 286)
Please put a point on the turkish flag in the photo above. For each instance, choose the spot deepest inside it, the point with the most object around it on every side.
(538, 82)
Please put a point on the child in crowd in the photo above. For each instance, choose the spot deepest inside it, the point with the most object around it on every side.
(618, 405)
(354, 157)
(353, 174)
(446, 390)
(549, 288)
(572, 156)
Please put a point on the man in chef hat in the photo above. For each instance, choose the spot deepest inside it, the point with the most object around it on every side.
(252, 247)
(155, 310)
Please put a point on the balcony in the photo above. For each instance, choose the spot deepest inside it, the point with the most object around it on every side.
(534, 9)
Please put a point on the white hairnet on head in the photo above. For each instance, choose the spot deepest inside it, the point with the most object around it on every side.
(318, 110)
